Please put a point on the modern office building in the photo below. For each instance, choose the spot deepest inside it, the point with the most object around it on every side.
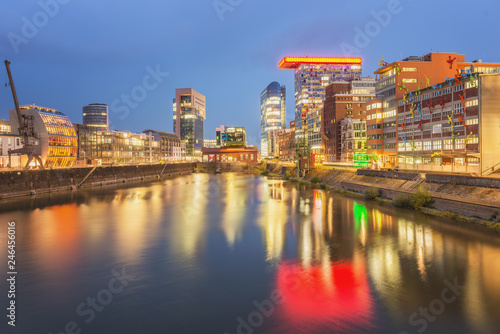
(272, 114)
(124, 147)
(286, 143)
(236, 136)
(189, 117)
(312, 75)
(344, 99)
(403, 79)
(353, 142)
(55, 133)
(95, 115)
(163, 146)
(4, 126)
(230, 136)
(452, 126)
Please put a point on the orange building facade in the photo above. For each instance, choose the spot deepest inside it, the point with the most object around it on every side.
(401, 80)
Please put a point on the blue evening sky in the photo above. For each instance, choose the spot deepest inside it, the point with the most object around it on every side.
(88, 51)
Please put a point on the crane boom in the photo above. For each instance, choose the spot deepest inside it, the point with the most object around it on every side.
(22, 131)
(31, 146)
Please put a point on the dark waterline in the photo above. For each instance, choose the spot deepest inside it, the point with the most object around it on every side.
(242, 254)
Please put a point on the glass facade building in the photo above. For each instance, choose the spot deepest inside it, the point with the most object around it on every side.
(96, 115)
(189, 117)
(54, 132)
(312, 75)
(123, 147)
(272, 114)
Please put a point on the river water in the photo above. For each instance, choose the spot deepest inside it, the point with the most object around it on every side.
(236, 253)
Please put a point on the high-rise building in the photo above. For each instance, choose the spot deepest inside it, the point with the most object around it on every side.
(189, 117)
(344, 99)
(95, 115)
(272, 114)
(312, 75)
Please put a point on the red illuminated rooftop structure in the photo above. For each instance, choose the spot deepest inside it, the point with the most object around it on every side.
(294, 62)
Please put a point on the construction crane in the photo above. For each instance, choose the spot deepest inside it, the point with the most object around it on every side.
(31, 145)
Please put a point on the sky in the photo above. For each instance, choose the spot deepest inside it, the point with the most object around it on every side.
(132, 55)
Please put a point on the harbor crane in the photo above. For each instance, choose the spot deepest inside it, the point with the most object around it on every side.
(31, 145)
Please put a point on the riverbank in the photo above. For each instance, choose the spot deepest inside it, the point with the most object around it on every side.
(33, 182)
(460, 198)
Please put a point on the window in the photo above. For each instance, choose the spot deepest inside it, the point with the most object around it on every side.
(438, 161)
(459, 161)
(473, 161)
(401, 147)
(436, 145)
(9, 141)
(459, 144)
(409, 69)
(427, 145)
(409, 161)
(472, 103)
(473, 140)
(427, 161)
(448, 144)
(436, 128)
(472, 121)
(409, 80)
(388, 114)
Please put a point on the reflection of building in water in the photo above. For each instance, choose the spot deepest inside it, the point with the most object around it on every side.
(188, 233)
(234, 213)
(318, 289)
(274, 217)
(442, 256)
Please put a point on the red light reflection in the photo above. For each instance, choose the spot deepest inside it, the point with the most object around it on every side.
(336, 295)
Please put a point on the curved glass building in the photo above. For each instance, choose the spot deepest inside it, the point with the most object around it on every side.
(55, 133)
(272, 115)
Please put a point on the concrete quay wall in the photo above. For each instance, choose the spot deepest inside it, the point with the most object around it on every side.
(31, 182)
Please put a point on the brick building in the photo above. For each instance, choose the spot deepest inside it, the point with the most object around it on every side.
(405, 78)
(286, 143)
(344, 99)
(452, 126)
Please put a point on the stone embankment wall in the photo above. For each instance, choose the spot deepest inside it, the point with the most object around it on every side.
(32, 182)
(465, 195)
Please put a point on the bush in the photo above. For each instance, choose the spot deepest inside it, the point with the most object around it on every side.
(405, 201)
(315, 179)
(372, 193)
(323, 186)
(422, 198)
(287, 176)
(265, 173)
